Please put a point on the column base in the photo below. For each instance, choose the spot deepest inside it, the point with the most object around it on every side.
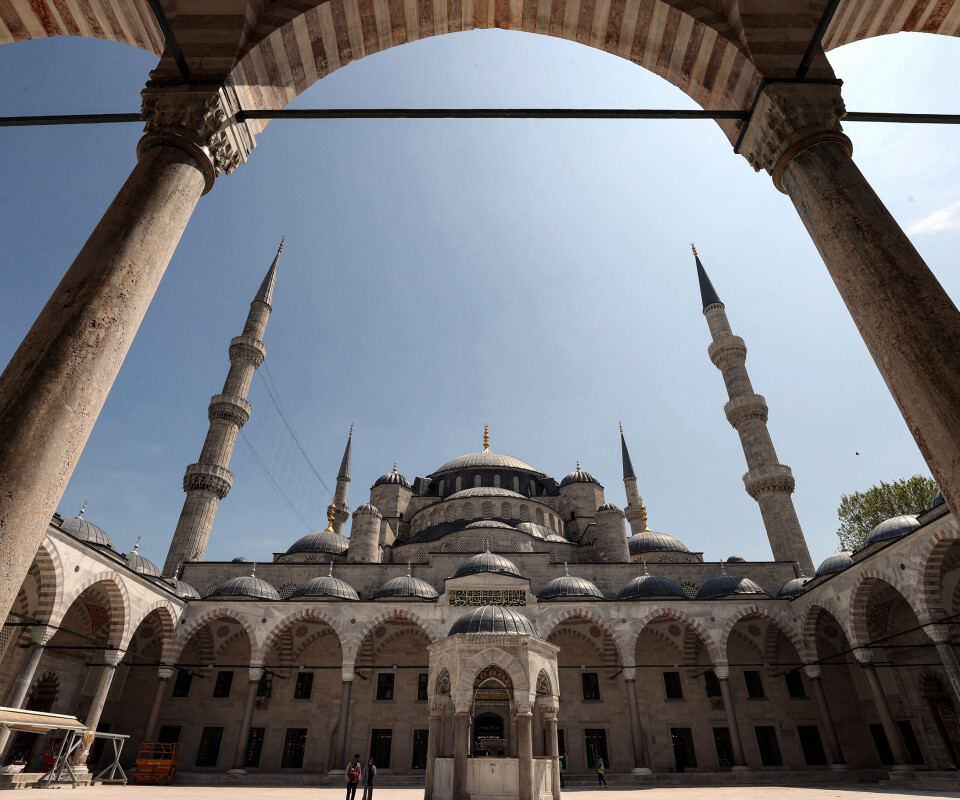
(740, 768)
(236, 771)
(902, 768)
(641, 771)
(839, 767)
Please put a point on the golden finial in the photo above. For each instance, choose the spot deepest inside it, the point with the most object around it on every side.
(694, 248)
(137, 545)
(330, 571)
(351, 430)
(280, 248)
(253, 570)
(486, 437)
(394, 467)
(331, 513)
(578, 466)
(621, 428)
(643, 517)
(80, 515)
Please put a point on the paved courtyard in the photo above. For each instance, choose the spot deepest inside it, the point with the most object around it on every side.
(613, 793)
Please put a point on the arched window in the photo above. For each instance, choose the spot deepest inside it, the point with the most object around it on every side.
(523, 514)
(434, 518)
(440, 490)
(516, 484)
(533, 488)
(459, 483)
(451, 514)
(476, 481)
(422, 556)
(553, 522)
(468, 511)
(553, 556)
(487, 510)
(496, 481)
(539, 516)
(487, 543)
(462, 544)
(514, 545)
(505, 511)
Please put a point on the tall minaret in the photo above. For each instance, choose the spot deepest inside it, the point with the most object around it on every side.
(634, 512)
(341, 511)
(209, 480)
(768, 481)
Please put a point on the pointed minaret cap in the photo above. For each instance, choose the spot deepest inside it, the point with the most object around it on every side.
(344, 474)
(627, 463)
(707, 293)
(265, 295)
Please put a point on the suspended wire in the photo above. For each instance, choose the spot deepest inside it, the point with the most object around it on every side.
(276, 486)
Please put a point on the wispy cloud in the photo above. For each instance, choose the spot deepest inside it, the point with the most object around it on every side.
(945, 219)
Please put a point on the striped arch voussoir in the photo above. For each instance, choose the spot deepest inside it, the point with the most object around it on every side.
(119, 604)
(785, 626)
(866, 580)
(931, 561)
(168, 627)
(208, 616)
(552, 622)
(51, 579)
(277, 630)
(396, 614)
(665, 612)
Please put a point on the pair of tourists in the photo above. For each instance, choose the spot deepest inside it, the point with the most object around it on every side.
(356, 774)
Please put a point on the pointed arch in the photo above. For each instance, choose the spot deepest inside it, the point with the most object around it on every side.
(787, 627)
(387, 616)
(167, 616)
(276, 630)
(713, 648)
(223, 612)
(495, 657)
(117, 595)
(551, 621)
(928, 572)
(50, 567)
(867, 579)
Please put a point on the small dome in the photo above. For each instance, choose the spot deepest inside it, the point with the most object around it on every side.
(608, 507)
(644, 587)
(85, 531)
(406, 586)
(247, 586)
(736, 560)
(654, 542)
(493, 620)
(141, 565)
(393, 478)
(793, 588)
(487, 562)
(579, 476)
(321, 542)
(486, 458)
(555, 537)
(238, 560)
(366, 508)
(490, 523)
(836, 563)
(534, 530)
(569, 586)
(486, 491)
(937, 500)
(326, 586)
(183, 590)
(726, 585)
(892, 528)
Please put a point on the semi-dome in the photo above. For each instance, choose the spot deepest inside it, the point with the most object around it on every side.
(654, 542)
(569, 586)
(326, 586)
(486, 491)
(326, 541)
(726, 585)
(182, 589)
(534, 530)
(487, 562)
(393, 478)
(892, 528)
(835, 563)
(406, 586)
(246, 586)
(486, 459)
(490, 523)
(578, 476)
(85, 531)
(937, 500)
(141, 565)
(793, 588)
(493, 620)
(648, 586)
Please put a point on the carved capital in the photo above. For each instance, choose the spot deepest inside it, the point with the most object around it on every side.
(41, 634)
(766, 480)
(246, 349)
(256, 673)
(112, 657)
(727, 349)
(722, 671)
(165, 673)
(939, 634)
(230, 408)
(788, 118)
(864, 657)
(746, 407)
(198, 119)
(208, 477)
(813, 671)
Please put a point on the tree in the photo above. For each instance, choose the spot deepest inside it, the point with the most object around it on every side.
(861, 512)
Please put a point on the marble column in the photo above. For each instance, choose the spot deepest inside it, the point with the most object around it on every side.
(52, 390)
(940, 634)
(525, 752)
(164, 674)
(343, 721)
(40, 635)
(900, 757)
(110, 660)
(723, 675)
(239, 755)
(461, 745)
(553, 742)
(434, 744)
(908, 322)
(637, 738)
(834, 752)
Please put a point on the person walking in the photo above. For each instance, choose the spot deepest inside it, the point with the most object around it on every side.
(601, 781)
(352, 774)
(560, 761)
(369, 774)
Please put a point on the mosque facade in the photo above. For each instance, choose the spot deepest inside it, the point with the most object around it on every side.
(491, 610)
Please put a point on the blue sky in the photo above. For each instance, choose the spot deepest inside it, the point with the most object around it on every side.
(440, 275)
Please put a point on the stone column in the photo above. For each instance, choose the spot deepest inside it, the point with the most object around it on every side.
(834, 753)
(553, 744)
(909, 324)
(723, 675)
(343, 721)
(163, 680)
(40, 634)
(110, 660)
(56, 383)
(900, 758)
(940, 634)
(239, 755)
(636, 729)
(434, 746)
(461, 745)
(525, 752)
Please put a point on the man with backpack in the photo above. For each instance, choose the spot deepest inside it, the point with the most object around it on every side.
(352, 773)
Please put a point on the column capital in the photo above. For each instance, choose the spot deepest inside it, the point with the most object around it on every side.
(813, 671)
(787, 119)
(200, 120)
(722, 671)
(41, 634)
(939, 633)
(863, 656)
(437, 707)
(112, 657)
(629, 673)
(165, 673)
(256, 673)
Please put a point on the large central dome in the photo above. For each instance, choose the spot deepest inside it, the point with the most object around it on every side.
(486, 458)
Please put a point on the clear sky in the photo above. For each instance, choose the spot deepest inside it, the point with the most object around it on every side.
(439, 275)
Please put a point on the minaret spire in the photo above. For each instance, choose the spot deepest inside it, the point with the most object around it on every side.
(209, 480)
(634, 512)
(768, 481)
(340, 509)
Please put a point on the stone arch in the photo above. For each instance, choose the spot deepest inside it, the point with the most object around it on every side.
(851, 24)
(579, 635)
(551, 622)
(811, 620)
(782, 623)
(713, 648)
(544, 684)
(50, 566)
(394, 614)
(272, 635)
(167, 628)
(214, 614)
(867, 579)
(928, 573)
(493, 672)
(494, 656)
(119, 599)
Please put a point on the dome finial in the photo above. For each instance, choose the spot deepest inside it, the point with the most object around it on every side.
(331, 514)
(694, 248)
(330, 571)
(645, 570)
(566, 569)
(578, 466)
(137, 545)
(723, 568)
(80, 515)
(409, 569)
(253, 570)
(643, 517)
(486, 437)
(394, 467)
(800, 570)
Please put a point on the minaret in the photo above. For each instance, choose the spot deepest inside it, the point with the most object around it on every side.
(341, 510)
(209, 480)
(768, 481)
(635, 513)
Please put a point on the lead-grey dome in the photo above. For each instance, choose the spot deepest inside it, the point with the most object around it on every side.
(246, 586)
(654, 542)
(486, 491)
(793, 588)
(892, 528)
(569, 586)
(494, 621)
(326, 586)
(85, 531)
(835, 563)
(726, 585)
(487, 562)
(644, 587)
(486, 458)
(406, 586)
(579, 476)
(366, 508)
(141, 565)
(937, 500)
(182, 589)
(321, 542)
(608, 507)
(393, 478)
(490, 523)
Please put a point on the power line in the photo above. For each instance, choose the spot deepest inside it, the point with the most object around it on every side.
(276, 486)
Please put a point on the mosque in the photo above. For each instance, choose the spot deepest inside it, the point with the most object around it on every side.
(491, 613)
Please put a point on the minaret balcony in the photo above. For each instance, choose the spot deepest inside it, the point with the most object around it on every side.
(246, 349)
(229, 407)
(745, 407)
(208, 477)
(726, 349)
(769, 479)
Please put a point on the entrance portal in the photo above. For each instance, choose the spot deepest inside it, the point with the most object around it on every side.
(488, 738)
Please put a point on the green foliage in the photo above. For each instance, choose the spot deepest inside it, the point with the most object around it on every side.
(861, 512)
